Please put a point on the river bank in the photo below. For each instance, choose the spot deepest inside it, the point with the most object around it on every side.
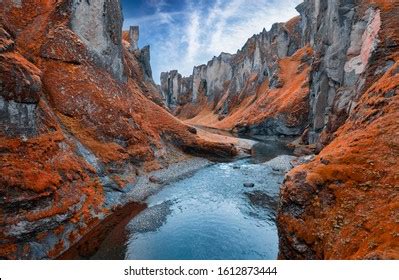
(111, 234)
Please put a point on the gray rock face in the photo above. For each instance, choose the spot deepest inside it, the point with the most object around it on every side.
(99, 25)
(134, 38)
(343, 42)
(17, 119)
(213, 76)
(143, 55)
(20, 91)
(176, 90)
(145, 58)
(276, 126)
(229, 77)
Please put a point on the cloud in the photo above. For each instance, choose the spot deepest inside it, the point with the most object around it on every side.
(201, 29)
(192, 33)
(219, 19)
(159, 18)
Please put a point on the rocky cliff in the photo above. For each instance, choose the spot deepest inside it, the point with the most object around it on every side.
(344, 203)
(217, 93)
(329, 76)
(140, 65)
(77, 123)
(175, 89)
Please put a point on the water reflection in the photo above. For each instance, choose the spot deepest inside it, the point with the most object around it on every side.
(225, 211)
(210, 216)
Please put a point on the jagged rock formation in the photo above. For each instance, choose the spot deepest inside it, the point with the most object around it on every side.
(329, 76)
(343, 41)
(76, 123)
(230, 83)
(142, 55)
(175, 89)
(134, 38)
(140, 64)
(344, 203)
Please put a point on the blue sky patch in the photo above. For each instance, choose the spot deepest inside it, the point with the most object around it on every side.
(186, 33)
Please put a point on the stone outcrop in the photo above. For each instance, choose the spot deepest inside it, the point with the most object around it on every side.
(99, 25)
(175, 89)
(145, 58)
(343, 204)
(343, 39)
(77, 123)
(142, 55)
(139, 61)
(131, 39)
(134, 33)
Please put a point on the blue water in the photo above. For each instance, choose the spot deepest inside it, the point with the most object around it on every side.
(210, 215)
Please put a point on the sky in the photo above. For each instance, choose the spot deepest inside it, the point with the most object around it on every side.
(185, 33)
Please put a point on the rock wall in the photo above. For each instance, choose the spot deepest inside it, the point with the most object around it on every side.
(343, 203)
(175, 89)
(99, 25)
(77, 123)
(227, 80)
(343, 40)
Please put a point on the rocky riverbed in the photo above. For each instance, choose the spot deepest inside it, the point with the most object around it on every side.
(199, 210)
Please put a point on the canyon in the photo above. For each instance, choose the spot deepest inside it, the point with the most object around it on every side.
(85, 130)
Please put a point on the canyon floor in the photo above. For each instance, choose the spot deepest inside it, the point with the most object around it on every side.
(199, 209)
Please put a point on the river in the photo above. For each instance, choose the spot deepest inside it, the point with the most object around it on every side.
(224, 211)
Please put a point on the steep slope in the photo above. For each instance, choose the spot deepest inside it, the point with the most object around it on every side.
(344, 203)
(77, 126)
(218, 94)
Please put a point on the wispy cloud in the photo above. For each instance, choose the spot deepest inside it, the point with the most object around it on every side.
(192, 33)
(204, 28)
(158, 18)
(219, 20)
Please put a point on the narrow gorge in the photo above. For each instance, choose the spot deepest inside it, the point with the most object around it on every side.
(286, 149)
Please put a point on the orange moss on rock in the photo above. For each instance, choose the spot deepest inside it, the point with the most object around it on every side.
(344, 204)
(107, 151)
(385, 5)
(289, 102)
(33, 169)
(20, 78)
